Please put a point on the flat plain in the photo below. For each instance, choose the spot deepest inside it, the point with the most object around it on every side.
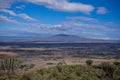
(50, 54)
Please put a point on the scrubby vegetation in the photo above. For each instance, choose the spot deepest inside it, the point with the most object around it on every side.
(89, 62)
(104, 71)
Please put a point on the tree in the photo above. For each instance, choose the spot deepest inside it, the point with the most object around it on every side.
(8, 65)
(116, 63)
(108, 69)
(89, 62)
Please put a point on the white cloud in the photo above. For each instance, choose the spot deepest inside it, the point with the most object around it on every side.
(20, 7)
(6, 3)
(59, 5)
(8, 11)
(96, 35)
(88, 19)
(6, 19)
(112, 24)
(46, 26)
(26, 17)
(87, 23)
(102, 10)
(23, 15)
(64, 5)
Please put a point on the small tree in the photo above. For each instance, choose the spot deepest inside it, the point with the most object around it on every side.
(8, 65)
(59, 66)
(32, 66)
(108, 69)
(116, 63)
(89, 62)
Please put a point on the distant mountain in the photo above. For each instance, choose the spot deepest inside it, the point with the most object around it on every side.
(63, 38)
(73, 39)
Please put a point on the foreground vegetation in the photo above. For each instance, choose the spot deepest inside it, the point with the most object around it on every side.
(10, 67)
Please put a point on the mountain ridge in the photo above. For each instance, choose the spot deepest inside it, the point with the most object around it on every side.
(66, 38)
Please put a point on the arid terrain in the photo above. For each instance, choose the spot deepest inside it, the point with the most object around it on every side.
(50, 54)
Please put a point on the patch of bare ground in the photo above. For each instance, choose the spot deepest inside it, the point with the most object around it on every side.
(7, 54)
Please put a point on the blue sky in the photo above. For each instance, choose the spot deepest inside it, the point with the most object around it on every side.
(98, 19)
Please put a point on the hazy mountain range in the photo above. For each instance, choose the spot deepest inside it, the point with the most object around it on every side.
(56, 38)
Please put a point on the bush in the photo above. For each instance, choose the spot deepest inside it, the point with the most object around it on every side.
(116, 63)
(9, 65)
(116, 74)
(105, 71)
(108, 69)
(89, 62)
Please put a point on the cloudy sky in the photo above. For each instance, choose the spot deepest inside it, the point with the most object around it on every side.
(99, 19)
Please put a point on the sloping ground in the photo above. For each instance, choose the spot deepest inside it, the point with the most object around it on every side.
(72, 72)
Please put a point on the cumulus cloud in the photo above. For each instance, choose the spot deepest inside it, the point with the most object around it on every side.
(102, 10)
(64, 5)
(7, 20)
(59, 5)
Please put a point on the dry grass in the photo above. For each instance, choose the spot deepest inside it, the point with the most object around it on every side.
(41, 63)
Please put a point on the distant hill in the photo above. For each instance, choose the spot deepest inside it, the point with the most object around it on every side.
(65, 38)
(73, 38)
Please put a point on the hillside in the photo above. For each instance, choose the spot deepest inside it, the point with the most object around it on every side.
(105, 71)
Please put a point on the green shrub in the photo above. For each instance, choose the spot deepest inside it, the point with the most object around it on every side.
(105, 71)
(116, 74)
(108, 69)
(89, 62)
(117, 63)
